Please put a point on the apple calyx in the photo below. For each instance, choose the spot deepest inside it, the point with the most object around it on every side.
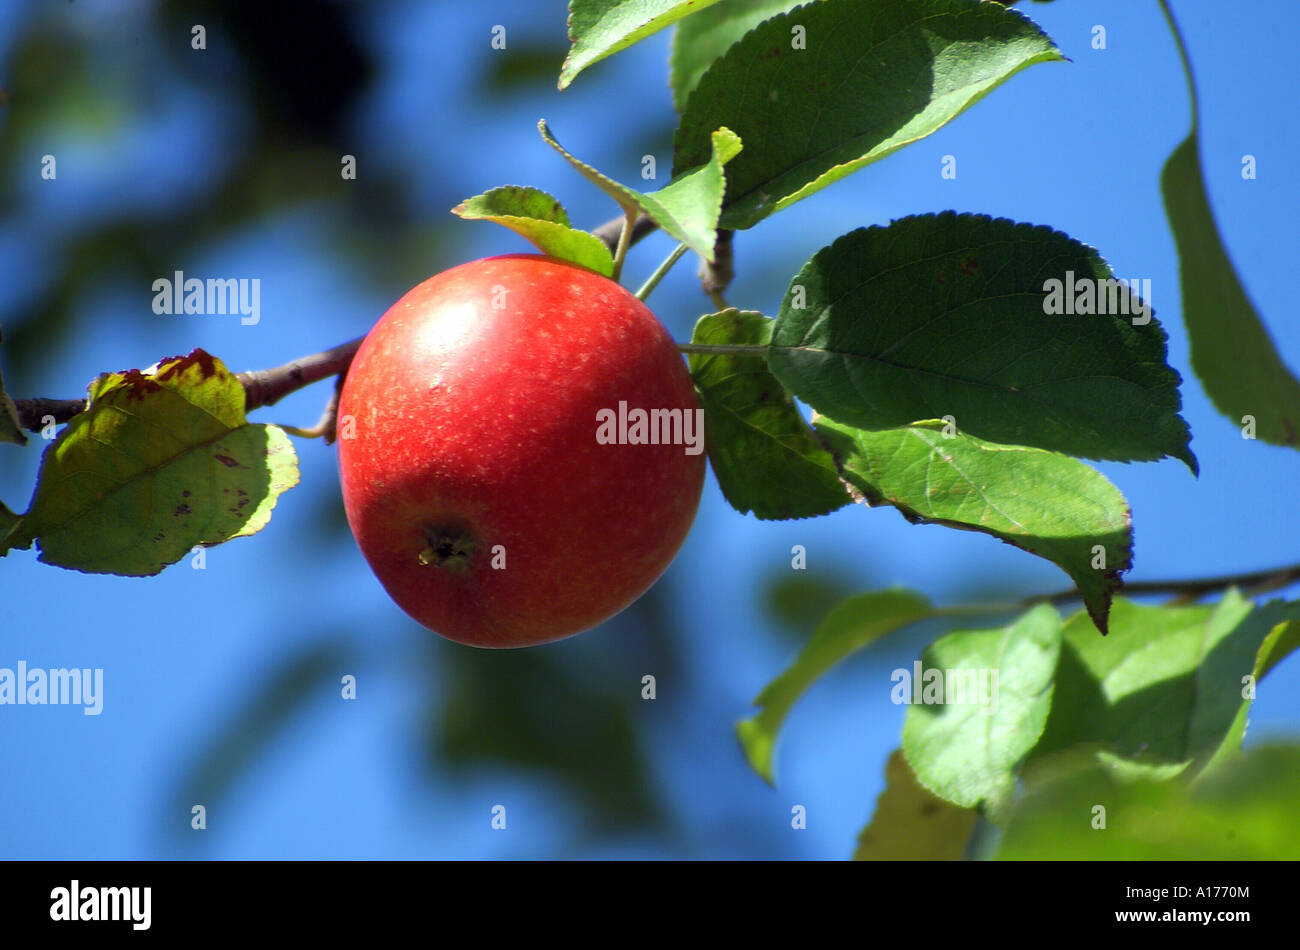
(448, 547)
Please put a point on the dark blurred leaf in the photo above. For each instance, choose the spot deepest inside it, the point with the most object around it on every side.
(798, 599)
(569, 711)
(7, 520)
(10, 430)
(1246, 813)
(521, 67)
(74, 80)
(249, 733)
(303, 61)
(134, 250)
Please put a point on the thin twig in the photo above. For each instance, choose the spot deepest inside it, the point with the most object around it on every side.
(1260, 581)
(653, 280)
(1188, 590)
(624, 241)
(327, 426)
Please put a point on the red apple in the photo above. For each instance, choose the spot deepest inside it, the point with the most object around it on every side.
(486, 475)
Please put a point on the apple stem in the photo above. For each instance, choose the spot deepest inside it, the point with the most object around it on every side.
(315, 432)
(653, 280)
(327, 427)
(631, 213)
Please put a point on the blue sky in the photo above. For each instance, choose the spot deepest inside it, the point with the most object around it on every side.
(1078, 146)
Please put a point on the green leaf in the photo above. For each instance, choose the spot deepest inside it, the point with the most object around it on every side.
(1000, 682)
(1048, 504)
(1162, 691)
(1283, 639)
(160, 461)
(600, 28)
(944, 315)
(1231, 350)
(1282, 620)
(10, 430)
(704, 37)
(872, 78)
(911, 823)
(850, 626)
(764, 454)
(687, 207)
(542, 220)
(1243, 813)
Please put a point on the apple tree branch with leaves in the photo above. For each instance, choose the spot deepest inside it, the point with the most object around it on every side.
(962, 369)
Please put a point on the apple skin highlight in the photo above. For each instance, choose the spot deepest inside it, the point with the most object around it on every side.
(472, 476)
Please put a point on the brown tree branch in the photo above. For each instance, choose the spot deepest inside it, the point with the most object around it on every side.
(609, 231)
(262, 387)
(1191, 589)
(716, 275)
(266, 387)
(33, 414)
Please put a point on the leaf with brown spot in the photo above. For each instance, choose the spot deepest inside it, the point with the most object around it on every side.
(109, 495)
